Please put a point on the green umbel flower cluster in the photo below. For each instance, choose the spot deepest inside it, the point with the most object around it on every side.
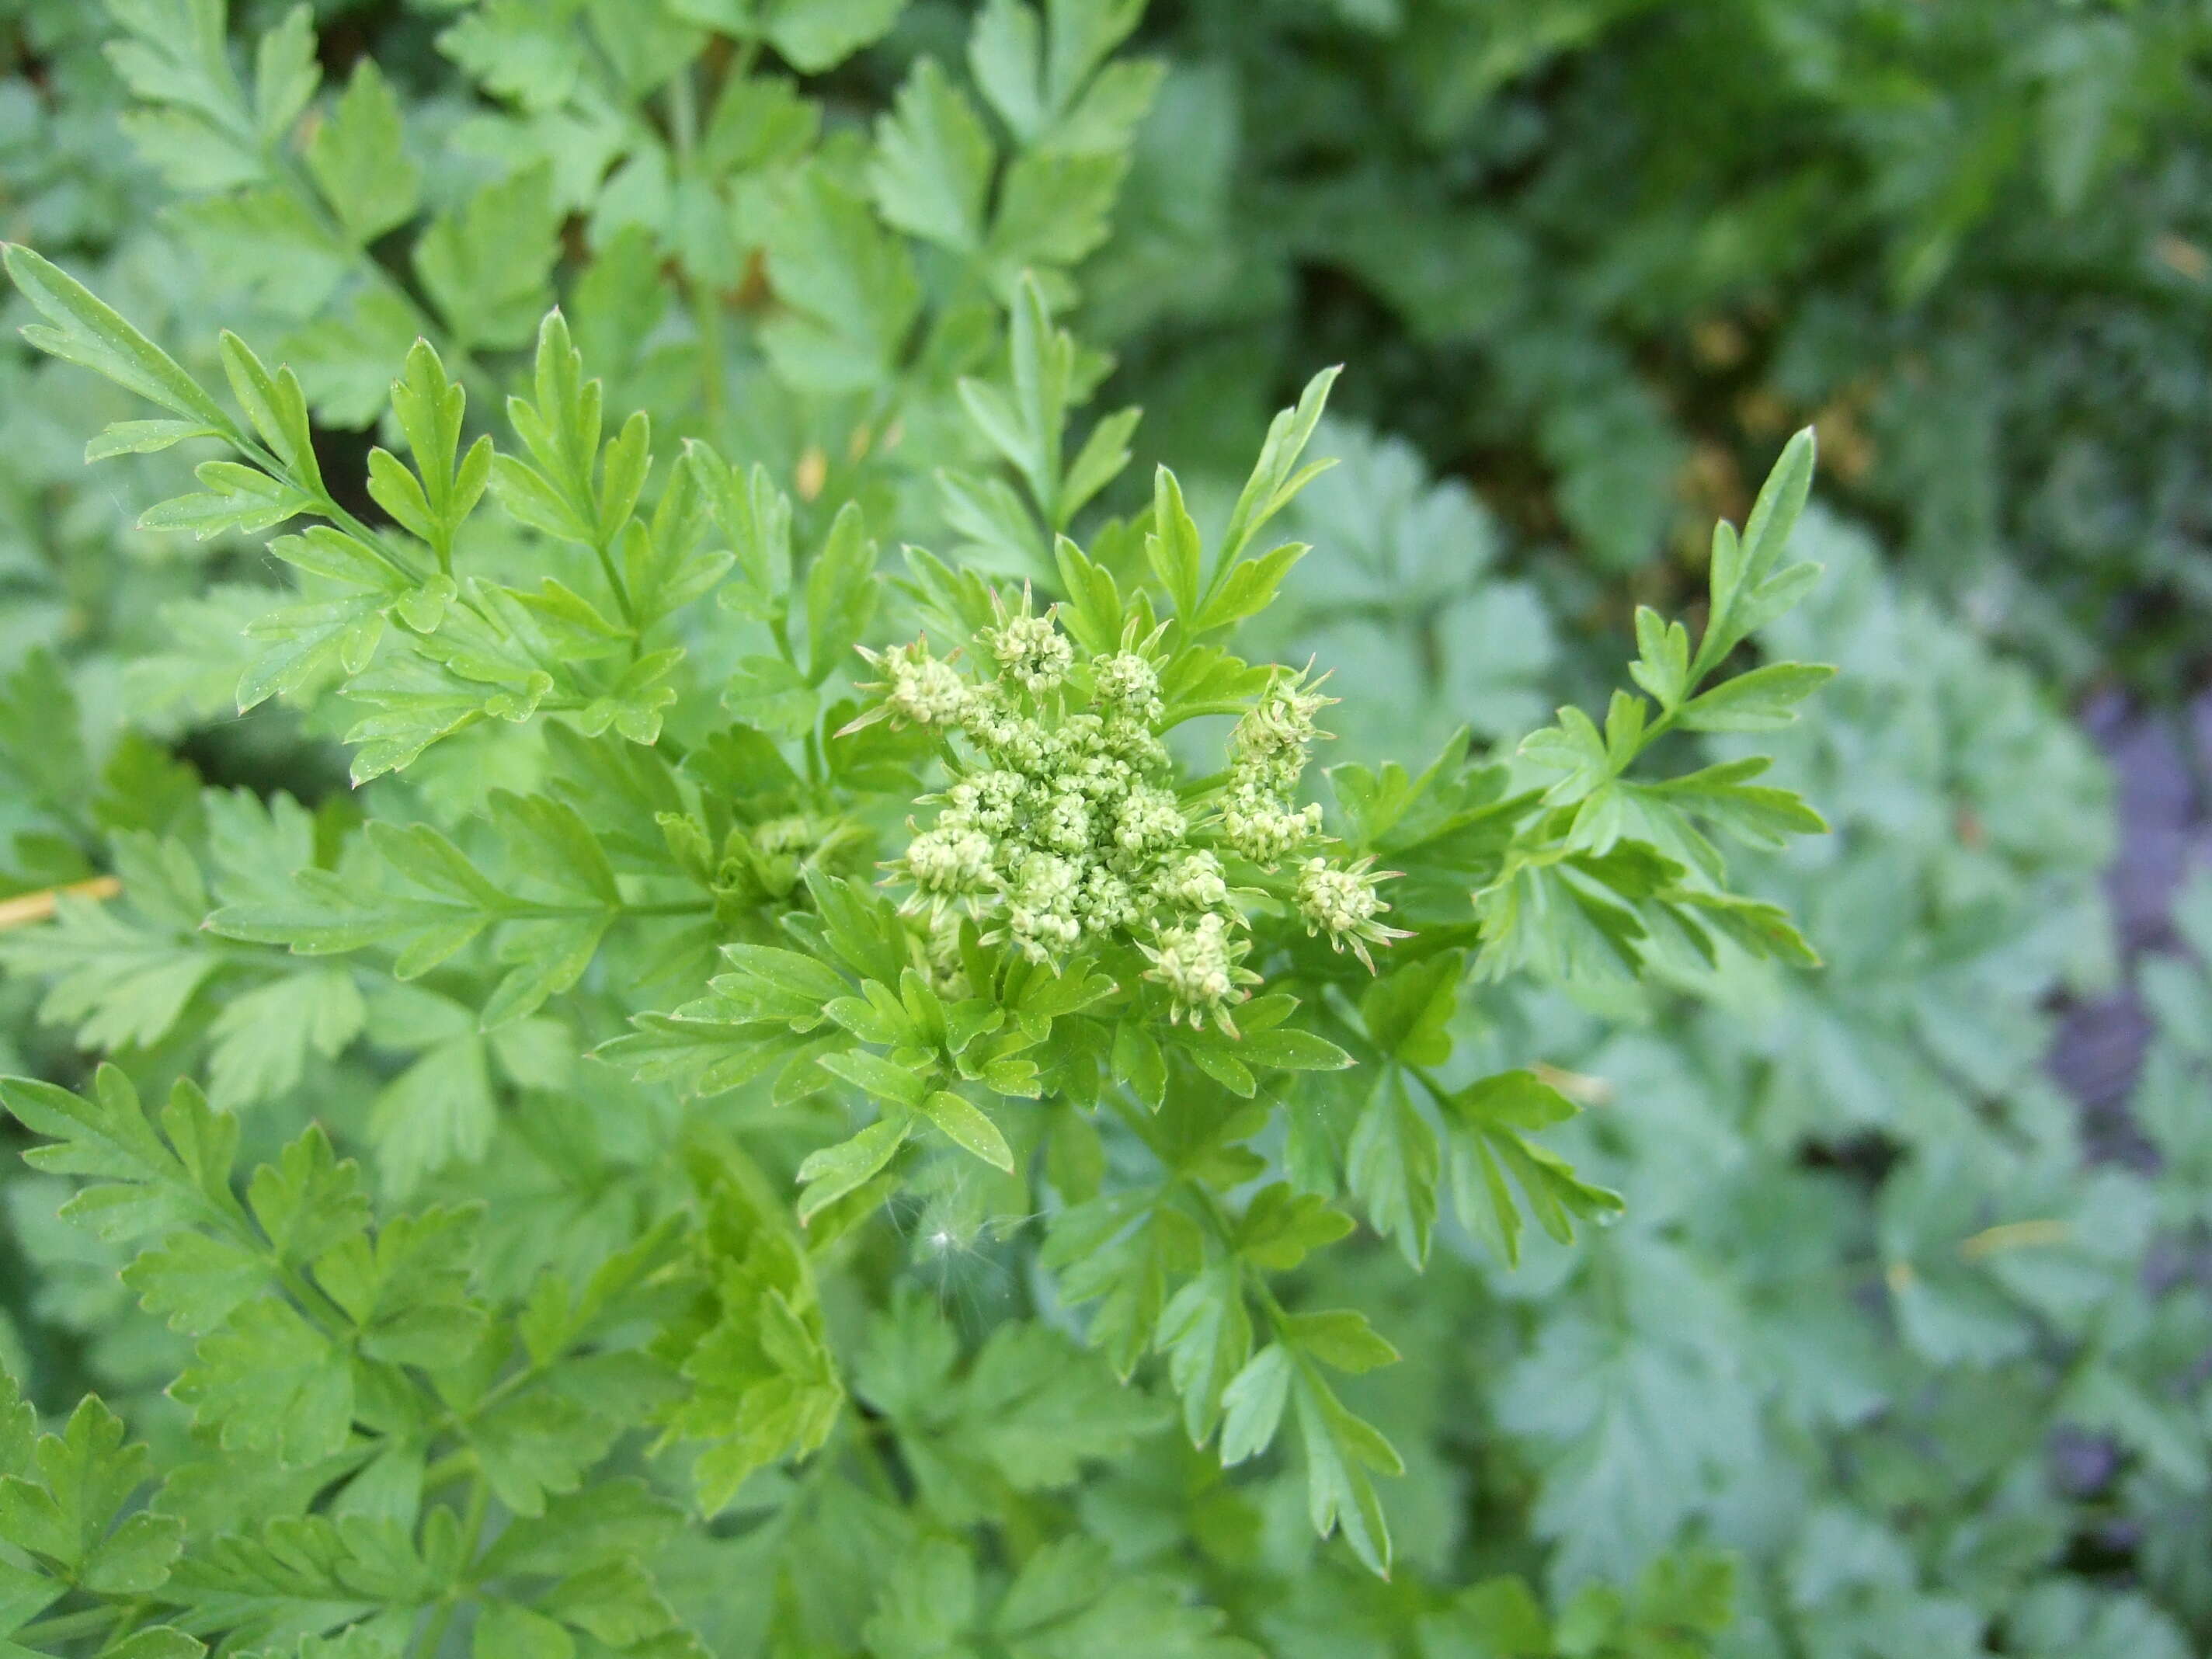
(1063, 825)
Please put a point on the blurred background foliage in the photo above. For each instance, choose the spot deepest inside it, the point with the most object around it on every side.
(1600, 255)
(1887, 1320)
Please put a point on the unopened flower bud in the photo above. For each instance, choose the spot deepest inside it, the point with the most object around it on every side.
(1342, 902)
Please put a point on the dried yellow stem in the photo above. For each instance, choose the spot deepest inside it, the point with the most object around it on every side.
(2013, 1236)
(1577, 1086)
(26, 909)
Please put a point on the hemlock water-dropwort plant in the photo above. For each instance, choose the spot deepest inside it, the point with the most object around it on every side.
(1070, 830)
(522, 1241)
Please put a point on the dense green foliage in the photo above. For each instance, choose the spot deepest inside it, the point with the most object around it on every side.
(1603, 255)
(838, 1082)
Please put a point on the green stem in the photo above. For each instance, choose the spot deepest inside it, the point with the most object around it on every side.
(475, 378)
(323, 506)
(472, 1521)
(1428, 1080)
(1656, 730)
(707, 317)
(569, 912)
(860, 1440)
(1132, 1119)
(706, 303)
(682, 119)
(453, 1422)
(613, 574)
(454, 1466)
(371, 539)
(434, 1636)
(67, 1626)
(133, 1616)
(1217, 1213)
(227, 1216)
(1277, 1316)
(319, 1308)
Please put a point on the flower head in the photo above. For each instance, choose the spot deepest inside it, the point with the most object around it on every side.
(1060, 827)
(942, 959)
(1041, 909)
(1149, 821)
(1127, 684)
(793, 833)
(1263, 827)
(1282, 720)
(1030, 651)
(918, 689)
(1341, 901)
(1202, 966)
(950, 861)
(1062, 824)
(1193, 882)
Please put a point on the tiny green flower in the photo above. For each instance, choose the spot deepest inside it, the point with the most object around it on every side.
(950, 862)
(1030, 651)
(1193, 882)
(1040, 911)
(1263, 828)
(1343, 902)
(796, 833)
(1282, 722)
(1202, 966)
(1127, 684)
(918, 689)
